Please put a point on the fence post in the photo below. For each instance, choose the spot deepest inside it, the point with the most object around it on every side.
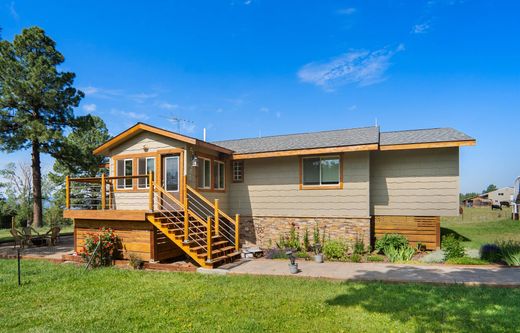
(209, 239)
(216, 218)
(150, 192)
(67, 192)
(237, 232)
(186, 212)
(103, 192)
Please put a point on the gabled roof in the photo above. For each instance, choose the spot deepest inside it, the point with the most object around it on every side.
(325, 139)
(142, 127)
(324, 142)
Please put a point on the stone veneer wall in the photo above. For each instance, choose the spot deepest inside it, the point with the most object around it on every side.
(265, 231)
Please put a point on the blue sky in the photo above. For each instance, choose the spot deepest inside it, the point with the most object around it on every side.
(257, 67)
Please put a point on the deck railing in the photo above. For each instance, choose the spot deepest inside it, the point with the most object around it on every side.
(98, 193)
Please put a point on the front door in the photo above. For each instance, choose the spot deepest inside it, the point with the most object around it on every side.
(171, 178)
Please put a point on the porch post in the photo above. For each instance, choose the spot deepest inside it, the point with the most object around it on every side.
(216, 217)
(103, 192)
(67, 192)
(237, 232)
(186, 212)
(150, 192)
(209, 239)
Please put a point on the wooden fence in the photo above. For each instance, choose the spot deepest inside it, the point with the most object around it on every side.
(417, 229)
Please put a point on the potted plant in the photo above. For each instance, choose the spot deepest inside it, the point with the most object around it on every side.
(318, 255)
(317, 247)
(293, 266)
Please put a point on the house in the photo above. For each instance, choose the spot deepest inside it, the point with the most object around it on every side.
(165, 191)
(503, 194)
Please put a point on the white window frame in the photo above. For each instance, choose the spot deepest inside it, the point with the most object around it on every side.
(320, 158)
(202, 174)
(238, 169)
(125, 185)
(145, 172)
(216, 175)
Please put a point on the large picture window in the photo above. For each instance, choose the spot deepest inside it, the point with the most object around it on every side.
(204, 173)
(219, 175)
(146, 165)
(124, 168)
(321, 171)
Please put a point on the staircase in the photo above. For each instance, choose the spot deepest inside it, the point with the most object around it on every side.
(197, 226)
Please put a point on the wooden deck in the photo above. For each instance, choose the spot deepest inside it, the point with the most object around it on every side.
(107, 214)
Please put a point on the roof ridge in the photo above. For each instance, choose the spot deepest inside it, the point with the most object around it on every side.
(279, 135)
(419, 129)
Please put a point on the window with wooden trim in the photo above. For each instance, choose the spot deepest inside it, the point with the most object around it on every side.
(145, 166)
(219, 175)
(125, 167)
(238, 171)
(321, 171)
(204, 173)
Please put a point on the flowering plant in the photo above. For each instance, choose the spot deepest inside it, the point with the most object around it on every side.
(99, 248)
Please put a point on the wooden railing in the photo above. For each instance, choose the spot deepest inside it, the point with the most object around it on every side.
(97, 193)
(224, 225)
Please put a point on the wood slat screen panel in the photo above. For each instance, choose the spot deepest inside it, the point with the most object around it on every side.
(423, 229)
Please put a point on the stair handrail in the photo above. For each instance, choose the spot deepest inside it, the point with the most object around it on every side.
(220, 212)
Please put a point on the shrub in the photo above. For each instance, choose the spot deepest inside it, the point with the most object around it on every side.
(399, 254)
(510, 252)
(291, 241)
(99, 248)
(335, 250)
(452, 247)
(359, 246)
(355, 257)
(466, 261)
(306, 240)
(135, 262)
(490, 252)
(375, 258)
(396, 241)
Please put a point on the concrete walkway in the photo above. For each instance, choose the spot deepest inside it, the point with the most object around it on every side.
(442, 274)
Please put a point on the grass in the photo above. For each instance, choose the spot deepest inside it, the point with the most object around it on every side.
(5, 234)
(467, 261)
(481, 225)
(64, 298)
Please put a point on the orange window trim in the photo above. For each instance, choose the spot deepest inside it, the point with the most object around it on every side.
(212, 188)
(322, 187)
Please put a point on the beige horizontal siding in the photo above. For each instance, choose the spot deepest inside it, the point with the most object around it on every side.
(151, 140)
(271, 188)
(423, 182)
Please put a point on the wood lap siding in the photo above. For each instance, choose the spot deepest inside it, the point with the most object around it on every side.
(138, 238)
(271, 188)
(421, 182)
(417, 229)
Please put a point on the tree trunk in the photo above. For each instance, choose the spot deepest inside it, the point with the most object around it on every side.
(37, 185)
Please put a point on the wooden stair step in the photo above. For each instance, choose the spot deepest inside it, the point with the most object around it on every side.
(216, 252)
(222, 258)
(214, 244)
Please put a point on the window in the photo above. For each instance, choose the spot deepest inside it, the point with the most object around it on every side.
(219, 175)
(146, 165)
(238, 171)
(125, 168)
(204, 173)
(321, 171)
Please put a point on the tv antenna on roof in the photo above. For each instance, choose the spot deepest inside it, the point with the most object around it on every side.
(178, 121)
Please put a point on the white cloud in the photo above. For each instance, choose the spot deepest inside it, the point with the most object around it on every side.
(142, 97)
(352, 107)
(168, 106)
(90, 90)
(359, 67)
(130, 114)
(220, 110)
(347, 11)
(278, 114)
(421, 28)
(13, 12)
(89, 107)
(264, 109)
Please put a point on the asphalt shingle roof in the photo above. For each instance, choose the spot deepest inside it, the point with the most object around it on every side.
(325, 139)
(422, 136)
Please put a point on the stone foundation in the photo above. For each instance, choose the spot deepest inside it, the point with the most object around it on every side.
(265, 231)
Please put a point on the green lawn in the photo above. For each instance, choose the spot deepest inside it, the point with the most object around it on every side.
(5, 234)
(64, 298)
(482, 225)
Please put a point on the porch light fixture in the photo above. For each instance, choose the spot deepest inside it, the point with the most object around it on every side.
(194, 161)
(145, 148)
